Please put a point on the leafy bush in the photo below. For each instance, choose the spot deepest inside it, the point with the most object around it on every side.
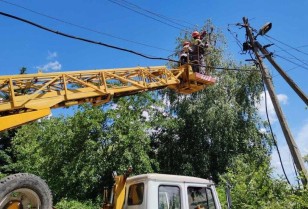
(74, 204)
(252, 186)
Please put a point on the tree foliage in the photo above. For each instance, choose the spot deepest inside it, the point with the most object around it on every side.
(76, 155)
(210, 127)
(74, 204)
(252, 186)
(6, 156)
(66, 152)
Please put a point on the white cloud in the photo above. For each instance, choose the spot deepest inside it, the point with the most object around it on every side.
(52, 55)
(50, 66)
(282, 98)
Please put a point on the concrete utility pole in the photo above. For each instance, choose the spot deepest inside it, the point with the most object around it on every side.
(298, 160)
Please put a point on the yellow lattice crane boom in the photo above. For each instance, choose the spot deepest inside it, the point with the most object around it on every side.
(28, 97)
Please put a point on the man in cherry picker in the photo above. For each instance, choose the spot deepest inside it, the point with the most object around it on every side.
(185, 53)
(198, 49)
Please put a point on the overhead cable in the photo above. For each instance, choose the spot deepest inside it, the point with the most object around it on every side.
(296, 49)
(108, 45)
(289, 54)
(134, 10)
(234, 35)
(81, 39)
(306, 68)
(273, 76)
(271, 130)
(172, 20)
(84, 28)
(302, 46)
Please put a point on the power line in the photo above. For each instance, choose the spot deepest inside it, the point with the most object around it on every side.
(84, 28)
(271, 130)
(269, 123)
(287, 45)
(234, 35)
(134, 10)
(306, 68)
(302, 46)
(285, 71)
(111, 46)
(175, 21)
(289, 54)
(291, 58)
(81, 39)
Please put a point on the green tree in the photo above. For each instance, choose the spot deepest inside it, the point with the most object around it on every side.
(129, 133)
(6, 156)
(252, 186)
(69, 153)
(73, 204)
(76, 155)
(207, 129)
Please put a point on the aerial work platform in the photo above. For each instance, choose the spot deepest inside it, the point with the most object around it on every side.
(28, 97)
(190, 81)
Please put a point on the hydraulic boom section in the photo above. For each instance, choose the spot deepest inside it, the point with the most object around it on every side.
(28, 97)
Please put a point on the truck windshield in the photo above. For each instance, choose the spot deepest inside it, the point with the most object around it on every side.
(200, 198)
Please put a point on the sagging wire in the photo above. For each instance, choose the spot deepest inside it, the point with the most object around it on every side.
(79, 38)
(273, 76)
(110, 46)
(235, 36)
(172, 20)
(296, 49)
(83, 27)
(302, 46)
(298, 65)
(270, 126)
(288, 53)
(129, 8)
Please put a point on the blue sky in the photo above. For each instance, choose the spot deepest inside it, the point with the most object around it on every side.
(24, 45)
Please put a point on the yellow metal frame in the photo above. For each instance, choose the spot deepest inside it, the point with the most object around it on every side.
(119, 192)
(28, 97)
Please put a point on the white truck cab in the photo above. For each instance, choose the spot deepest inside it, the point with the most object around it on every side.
(161, 191)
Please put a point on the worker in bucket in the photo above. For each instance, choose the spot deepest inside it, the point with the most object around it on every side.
(198, 49)
(185, 53)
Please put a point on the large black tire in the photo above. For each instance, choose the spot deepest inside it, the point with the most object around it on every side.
(26, 186)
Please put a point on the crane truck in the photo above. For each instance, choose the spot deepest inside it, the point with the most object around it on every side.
(29, 97)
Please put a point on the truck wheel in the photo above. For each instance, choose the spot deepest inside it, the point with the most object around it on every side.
(25, 191)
